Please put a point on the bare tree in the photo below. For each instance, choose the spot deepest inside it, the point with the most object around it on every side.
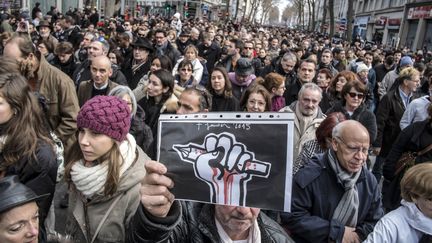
(349, 24)
(266, 6)
(324, 19)
(274, 15)
(331, 13)
(254, 6)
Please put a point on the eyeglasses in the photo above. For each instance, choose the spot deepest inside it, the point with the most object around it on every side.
(353, 150)
(354, 94)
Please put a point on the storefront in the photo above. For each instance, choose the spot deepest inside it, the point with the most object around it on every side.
(360, 27)
(393, 27)
(417, 26)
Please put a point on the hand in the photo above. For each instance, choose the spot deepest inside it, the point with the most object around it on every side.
(155, 195)
(225, 165)
(376, 150)
(350, 236)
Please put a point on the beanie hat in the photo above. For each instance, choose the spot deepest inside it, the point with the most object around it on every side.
(405, 61)
(362, 67)
(244, 67)
(108, 115)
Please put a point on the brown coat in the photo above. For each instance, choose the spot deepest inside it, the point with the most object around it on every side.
(62, 101)
(85, 90)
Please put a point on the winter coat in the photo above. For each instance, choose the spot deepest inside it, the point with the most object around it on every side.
(414, 138)
(316, 192)
(309, 132)
(220, 103)
(61, 98)
(211, 54)
(68, 67)
(134, 77)
(197, 69)
(291, 92)
(361, 114)
(84, 216)
(140, 130)
(388, 116)
(405, 224)
(387, 82)
(82, 72)
(85, 90)
(192, 222)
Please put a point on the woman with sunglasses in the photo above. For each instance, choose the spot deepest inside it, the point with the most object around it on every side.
(352, 106)
(333, 92)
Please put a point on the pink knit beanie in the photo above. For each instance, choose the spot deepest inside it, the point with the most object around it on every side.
(108, 115)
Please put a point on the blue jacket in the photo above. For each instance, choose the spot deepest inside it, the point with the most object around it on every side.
(315, 195)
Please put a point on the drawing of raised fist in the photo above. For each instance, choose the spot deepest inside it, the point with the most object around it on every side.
(225, 165)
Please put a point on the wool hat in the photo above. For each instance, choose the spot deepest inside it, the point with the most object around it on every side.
(405, 61)
(361, 67)
(177, 15)
(13, 193)
(244, 67)
(108, 115)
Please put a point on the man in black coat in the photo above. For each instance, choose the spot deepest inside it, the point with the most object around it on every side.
(164, 48)
(140, 63)
(305, 74)
(209, 50)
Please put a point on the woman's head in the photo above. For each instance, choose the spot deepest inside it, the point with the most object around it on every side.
(340, 80)
(353, 94)
(161, 62)
(19, 213)
(274, 83)
(324, 131)
(185, 70)
(416, 186)
(161, 85)
(126, 94)
(116, 56)
(64, 51)
(20, 117)
(323, 78)
(220, 83)
(191, 52)
(256, 98)
(45, 47)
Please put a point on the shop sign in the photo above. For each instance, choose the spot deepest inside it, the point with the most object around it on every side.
(420, 12)
(381, 21)
(394, 22)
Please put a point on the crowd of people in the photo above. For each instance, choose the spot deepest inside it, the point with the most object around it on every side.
(80, 100)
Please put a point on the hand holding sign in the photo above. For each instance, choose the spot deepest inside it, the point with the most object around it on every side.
(225, 165)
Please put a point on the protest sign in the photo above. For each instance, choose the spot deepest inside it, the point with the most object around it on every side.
(239, 159)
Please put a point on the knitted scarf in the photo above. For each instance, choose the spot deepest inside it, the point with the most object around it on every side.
(90, 181)
(346, 211)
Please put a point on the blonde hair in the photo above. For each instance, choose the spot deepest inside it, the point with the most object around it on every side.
(408, 73)
(417, 182)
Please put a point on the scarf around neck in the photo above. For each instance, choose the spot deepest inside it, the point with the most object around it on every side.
(90, 181)
(253, 237)
(304, 121)
(346, 211)
(246, 83)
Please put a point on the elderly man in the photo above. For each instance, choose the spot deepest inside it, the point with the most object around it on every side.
(99, 47)
(305, 74)
(308, 115)
(335, 198)
(99, 84)
(161, 219)
(284, 66)
(45, 32)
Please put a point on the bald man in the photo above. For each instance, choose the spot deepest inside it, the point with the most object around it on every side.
(335, 198)
(99, 84)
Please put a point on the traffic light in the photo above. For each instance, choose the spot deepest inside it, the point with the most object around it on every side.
(186, 13)
(167, 7)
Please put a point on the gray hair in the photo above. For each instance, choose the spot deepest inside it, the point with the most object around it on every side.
(120, 91)
(289, 56)
(311, 86)
(105, 45)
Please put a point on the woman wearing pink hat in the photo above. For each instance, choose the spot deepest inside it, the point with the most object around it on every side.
(105, 173)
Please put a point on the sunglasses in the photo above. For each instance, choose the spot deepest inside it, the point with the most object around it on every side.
(354, 94)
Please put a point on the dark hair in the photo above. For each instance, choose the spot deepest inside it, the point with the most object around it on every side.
(238, 43)
(357, 85)
(348, 75)
(205, 98)
(167, 80)
(259, 89)
(64, 48)
(325, 129)
(160, 31)
(327, 72)
(24, 43)
(118, 54)
(184, 63)
(48, 44)
(389, 60)
(228, 86)
(165, 62)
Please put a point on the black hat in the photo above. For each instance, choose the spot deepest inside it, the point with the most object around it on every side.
(144, 43)
(13, 193)
(244, 67)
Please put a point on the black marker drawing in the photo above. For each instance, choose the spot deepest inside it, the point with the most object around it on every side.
(225, 165)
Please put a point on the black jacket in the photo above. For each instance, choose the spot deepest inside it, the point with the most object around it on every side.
(211, 54)
(82, 72)
(68, 68)
(316, 192)
(361, 114)
(192, 222)
(388, 116)
(413, 138)
(220, 103)
(134, 77)
(290, 78)
(140, 130)
(291, 92)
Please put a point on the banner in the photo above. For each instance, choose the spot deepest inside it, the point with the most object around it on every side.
(238, 159)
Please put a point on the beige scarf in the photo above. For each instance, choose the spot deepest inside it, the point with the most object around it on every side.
(90, 181)
(254, 233)
(304, 121)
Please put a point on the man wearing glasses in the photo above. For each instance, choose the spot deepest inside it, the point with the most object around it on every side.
(249, 53)
(335, 198)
